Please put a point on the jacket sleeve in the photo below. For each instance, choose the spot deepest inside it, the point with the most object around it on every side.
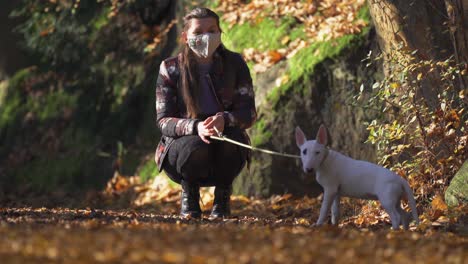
(243, 113)
(168, 116)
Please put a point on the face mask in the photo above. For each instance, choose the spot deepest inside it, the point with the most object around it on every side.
(204, 45)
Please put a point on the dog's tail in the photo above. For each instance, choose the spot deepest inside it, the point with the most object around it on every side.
(411, 201)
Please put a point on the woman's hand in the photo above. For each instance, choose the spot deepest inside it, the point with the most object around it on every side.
(215, 122)
(204, 132)
(207, 127)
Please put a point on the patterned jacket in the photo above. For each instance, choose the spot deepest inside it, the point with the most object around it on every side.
(232, 85)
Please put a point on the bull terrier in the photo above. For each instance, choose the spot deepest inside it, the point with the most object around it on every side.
(340, 175)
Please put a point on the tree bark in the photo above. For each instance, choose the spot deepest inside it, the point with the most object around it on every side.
(457, 11)
(425, 26)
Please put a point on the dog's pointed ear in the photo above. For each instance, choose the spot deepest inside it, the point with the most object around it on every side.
(300, 137)
(322, 137)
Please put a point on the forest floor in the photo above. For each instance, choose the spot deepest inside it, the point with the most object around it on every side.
(139, 224)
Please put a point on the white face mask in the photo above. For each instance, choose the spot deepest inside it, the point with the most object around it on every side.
(204, 45)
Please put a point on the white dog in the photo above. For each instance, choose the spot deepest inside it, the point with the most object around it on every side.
(340, 175)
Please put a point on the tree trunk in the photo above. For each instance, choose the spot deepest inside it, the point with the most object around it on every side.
(425, 26)
(418, 24)
(457, 11)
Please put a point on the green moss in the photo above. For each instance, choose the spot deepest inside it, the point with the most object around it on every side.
(148, 171)
(51, 105)
(9, 110)
(271, 34)
(12, 105)
(20, 76)
(266, 34)
(364, 14)
(305, 61)
(261, 134)
(3, 91)
(44, 107)
(101, 20)
(457, 192)
(302, 65)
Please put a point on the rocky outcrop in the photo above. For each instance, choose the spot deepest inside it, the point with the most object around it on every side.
(457, 192)
(325, 96)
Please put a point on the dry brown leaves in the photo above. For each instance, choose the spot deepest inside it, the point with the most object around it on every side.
(323, 20)
(143, 227)
(159, 195)
(62, 235)
(446, 150)
(179, 242)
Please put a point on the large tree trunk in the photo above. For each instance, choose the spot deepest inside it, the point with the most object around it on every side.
(457, 11)
(418, 24)
(435, 28)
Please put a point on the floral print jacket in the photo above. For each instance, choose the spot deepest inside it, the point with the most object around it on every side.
(232, 85)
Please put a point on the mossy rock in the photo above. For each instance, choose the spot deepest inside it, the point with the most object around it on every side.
(316, 82)
(457, 192)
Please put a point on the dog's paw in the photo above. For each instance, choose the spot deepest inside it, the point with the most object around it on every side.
(317, 224)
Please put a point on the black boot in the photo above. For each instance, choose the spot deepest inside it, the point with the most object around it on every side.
(190, 206)
(221, 204)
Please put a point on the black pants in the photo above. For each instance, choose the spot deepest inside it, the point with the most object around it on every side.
(216, 164)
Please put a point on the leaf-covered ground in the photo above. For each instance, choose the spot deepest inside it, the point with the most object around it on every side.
(84, 236)
(138, 223)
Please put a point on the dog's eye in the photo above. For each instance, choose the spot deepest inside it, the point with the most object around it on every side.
(317, 152)
(304, 152)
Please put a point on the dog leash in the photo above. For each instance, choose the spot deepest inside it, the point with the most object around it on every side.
(222, 137)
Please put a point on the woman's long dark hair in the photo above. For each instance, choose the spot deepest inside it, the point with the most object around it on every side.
(188, 64)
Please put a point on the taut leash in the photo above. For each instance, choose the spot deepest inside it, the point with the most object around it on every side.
(222, 137)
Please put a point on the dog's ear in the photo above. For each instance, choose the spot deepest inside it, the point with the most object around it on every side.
(300, 137)
(322, 137)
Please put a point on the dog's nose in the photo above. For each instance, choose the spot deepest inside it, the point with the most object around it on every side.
(309, 170)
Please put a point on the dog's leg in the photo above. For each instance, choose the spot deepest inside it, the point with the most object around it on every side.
(404, 216)
(393, 213)
(390, 200)
(336, 210)
(328, 196)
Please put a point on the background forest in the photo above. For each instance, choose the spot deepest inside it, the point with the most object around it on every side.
(388, 78)
(78, 181)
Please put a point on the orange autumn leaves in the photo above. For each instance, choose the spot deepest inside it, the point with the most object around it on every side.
(322, 21)
(61, 235)
(159, 195)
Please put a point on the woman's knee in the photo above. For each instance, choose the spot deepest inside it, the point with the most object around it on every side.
(229, 164)
(198, 164)
(200, 155)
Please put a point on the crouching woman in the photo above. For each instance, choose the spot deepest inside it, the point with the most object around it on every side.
(204, 89)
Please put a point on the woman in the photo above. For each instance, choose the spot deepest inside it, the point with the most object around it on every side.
(203, 89)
